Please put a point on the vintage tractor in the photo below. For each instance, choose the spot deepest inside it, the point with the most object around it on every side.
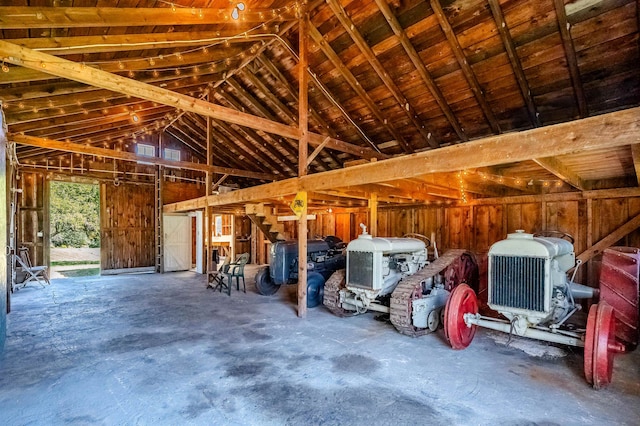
(394, 276)
(324, 257)
(528, 286)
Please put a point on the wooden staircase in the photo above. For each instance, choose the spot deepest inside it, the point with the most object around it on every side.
(265, 221)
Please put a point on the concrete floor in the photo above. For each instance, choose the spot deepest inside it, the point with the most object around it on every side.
(164, 350)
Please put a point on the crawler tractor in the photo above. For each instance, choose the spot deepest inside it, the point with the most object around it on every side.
(324, 257)
(394, 276)
(528, 287)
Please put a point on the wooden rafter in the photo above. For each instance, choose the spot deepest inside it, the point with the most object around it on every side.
(127, 42)
(68, 69)
(572, 60)
(272, 142)
(464, 65)
(284, 83)
(514, 59)
(129, 156)
(137, 65)
(247, 149)
(366, 50)
(355, 85)
(559, 169)
(282, 109)
(559, 139)
(421, 68)
(95, 17)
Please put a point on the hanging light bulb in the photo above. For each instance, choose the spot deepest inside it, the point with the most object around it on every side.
(235, 14)
(134, 117)
(5, 67)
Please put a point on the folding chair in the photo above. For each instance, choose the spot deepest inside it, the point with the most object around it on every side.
(216, 278)
(33, 273)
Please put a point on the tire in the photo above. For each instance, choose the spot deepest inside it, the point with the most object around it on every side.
(264, 285)
(315, 289)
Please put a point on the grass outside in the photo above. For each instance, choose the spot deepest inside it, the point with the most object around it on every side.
(75, 262)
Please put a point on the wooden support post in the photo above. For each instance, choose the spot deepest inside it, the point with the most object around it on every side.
(373, 214)
(590, 267)
(207, 210)
(303, 122)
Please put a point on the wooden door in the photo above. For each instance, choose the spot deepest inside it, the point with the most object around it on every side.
(177, 242)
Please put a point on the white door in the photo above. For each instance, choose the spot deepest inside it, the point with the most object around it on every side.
(177, 242)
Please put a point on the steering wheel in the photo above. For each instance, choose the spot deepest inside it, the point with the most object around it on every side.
(556, 234)
(418, 236)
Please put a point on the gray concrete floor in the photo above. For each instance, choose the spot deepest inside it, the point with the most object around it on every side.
(162, 349)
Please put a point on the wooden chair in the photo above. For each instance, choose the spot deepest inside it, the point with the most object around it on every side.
(33, 273)
(236, 270)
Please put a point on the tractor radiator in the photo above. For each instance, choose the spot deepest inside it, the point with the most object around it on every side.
(360, 271)
(517, 282)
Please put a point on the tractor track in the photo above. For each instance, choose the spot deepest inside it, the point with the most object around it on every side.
(410, 289)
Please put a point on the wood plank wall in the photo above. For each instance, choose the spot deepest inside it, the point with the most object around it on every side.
(33, 216)
(127, 226)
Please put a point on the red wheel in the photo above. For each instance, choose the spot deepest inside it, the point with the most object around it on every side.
(462, 270)
(600, 345)
(462, 301)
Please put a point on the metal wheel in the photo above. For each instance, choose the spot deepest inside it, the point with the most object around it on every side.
(555, 234)
(315, 289)
(600, 345)
(433, 319)
(462, 301)
(264, 285)
(463, 270)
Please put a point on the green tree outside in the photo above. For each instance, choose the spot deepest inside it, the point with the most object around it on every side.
(75, 215)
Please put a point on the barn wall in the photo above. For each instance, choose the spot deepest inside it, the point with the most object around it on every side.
(126, 226)
(477, 227)
(4, 207)
(33, 216)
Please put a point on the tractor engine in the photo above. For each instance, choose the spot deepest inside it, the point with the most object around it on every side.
(376, 265)
(528, 280)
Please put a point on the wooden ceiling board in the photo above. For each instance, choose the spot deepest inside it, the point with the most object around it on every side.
(604, 36)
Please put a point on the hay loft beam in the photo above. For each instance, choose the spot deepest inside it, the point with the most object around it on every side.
(623, 128)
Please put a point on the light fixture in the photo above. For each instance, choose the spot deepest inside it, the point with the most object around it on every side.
(236, 11)
(134, 117)
(5, 67)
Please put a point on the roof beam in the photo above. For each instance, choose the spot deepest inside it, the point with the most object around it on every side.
(67, 69)
(17, 17)
(126, 42)
(464, 65)
(355, 85)
(572, 60)
(129, 156)
(514, 59)
(366, 50)
(275, 72)
(559, 169)
(560, 139)
(127, 65)
(281, 107)
(421, 68)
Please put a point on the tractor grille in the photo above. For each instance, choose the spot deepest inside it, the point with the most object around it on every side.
(360, 269)
(517, 282)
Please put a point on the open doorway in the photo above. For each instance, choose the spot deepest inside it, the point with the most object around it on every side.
(74, 212)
